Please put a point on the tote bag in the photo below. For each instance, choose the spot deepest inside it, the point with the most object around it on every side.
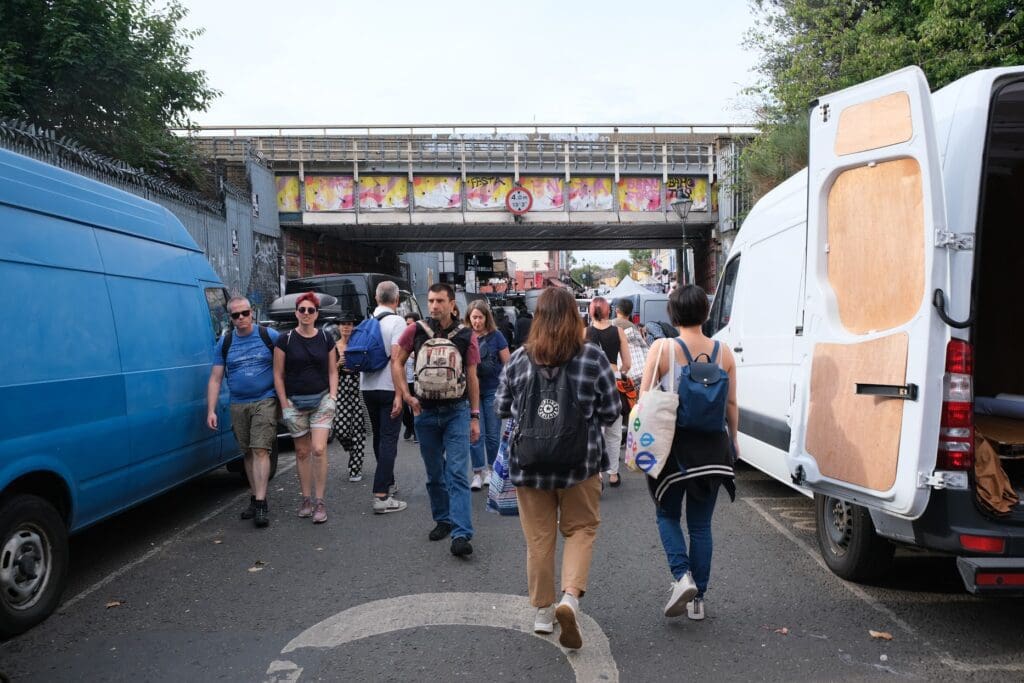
(652, 425)
(501, 492)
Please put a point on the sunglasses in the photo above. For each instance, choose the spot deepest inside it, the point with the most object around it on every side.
(306, 311)
(241, 314)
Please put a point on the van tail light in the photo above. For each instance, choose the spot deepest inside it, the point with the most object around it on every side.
(956, 430)
(636, 318)
(982, 544)
(999, 579)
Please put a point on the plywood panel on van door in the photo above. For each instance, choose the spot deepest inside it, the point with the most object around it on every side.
(871, 125)
(876, 244)
(855, 438)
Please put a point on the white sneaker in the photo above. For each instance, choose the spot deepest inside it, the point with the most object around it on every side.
(355, 477)
(477, 482)
(683, 591)
(487, 477)
(384, 505)
(565, 613)
(544, 622)
(695, 609)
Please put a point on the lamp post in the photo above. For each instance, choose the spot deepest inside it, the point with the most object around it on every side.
(682, 208)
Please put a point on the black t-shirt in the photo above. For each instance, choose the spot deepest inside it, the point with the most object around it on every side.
(607, 339)
(462, 342)
(305, 362)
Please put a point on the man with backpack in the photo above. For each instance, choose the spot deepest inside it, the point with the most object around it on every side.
(369, 352)
(246, 354)
(446, 406)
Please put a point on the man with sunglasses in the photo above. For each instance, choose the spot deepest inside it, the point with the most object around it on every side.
(249, 363)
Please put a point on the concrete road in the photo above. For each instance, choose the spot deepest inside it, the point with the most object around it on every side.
(181, 589)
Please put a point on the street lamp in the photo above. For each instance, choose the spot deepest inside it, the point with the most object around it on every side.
(682, 208)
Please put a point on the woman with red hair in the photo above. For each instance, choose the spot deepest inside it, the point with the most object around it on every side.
(306, 380)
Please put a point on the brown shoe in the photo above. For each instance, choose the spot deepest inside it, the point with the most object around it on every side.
(306, 509)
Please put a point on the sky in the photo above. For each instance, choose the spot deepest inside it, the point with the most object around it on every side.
(530, 61)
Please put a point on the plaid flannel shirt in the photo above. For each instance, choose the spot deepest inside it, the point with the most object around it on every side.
(637, 354)
(591, 375)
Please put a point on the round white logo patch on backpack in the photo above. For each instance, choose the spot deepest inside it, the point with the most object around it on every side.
(548, 409)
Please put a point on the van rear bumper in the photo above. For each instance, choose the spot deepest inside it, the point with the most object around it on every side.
(992, 575)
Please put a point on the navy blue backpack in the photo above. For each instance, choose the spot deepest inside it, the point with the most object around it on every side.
(703, 393)
(366, 351)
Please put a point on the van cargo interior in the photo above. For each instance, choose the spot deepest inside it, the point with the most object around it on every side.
(999, 281)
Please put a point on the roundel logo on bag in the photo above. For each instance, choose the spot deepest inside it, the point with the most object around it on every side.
(646, 439)
(548, 409)
(636, 424)
(645, 460)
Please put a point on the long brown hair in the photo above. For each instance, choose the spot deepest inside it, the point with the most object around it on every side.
(556, 333)
(485, 310)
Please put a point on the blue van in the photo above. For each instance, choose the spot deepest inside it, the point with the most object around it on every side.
(110, 314)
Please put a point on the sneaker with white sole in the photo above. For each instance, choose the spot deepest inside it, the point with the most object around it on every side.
(383, 506)
(683, 591)
(486, 477)
(569, 635)
(355, 477)
(477, 483)
(544, 622)
(695, 609)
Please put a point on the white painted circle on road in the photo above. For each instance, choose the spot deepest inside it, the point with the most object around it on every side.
(593, 662)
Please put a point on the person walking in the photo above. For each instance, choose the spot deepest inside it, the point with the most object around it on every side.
(245, 354)
(494, 354)
(351, 419)
(306, 381)
(637, 356)
(558, 479)
(446, 405)
(410, 377)
(379, 395)
(612, 341)
(700, 461)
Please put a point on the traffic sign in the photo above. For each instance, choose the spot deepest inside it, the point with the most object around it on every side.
(518, 200)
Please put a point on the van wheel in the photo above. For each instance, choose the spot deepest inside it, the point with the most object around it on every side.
(33, 562)
(848, 542)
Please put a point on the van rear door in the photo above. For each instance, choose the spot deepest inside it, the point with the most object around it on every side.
(867, 420)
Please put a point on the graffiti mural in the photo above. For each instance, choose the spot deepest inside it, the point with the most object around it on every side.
(437, 192)
(329, 193)
(287, 193)
(547, 193)
(383, 192)
(590, 194)
(487, 192)
(695, 188)
(639, 194)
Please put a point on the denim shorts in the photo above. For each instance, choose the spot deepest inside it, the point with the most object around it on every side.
(299, 422)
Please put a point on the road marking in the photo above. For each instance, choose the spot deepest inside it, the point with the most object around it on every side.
(593, 662)
(944, 657)
(153, 552)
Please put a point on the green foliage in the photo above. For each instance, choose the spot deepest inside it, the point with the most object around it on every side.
(622, 268)
(112, 74)
(586, 274)
(810, 48)
(641, 259)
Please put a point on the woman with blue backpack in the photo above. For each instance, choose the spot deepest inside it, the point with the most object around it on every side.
(703, 372)
(494, 354)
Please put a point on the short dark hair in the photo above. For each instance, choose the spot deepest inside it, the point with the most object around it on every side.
(624, 306)
(688, 306)
(439, 287)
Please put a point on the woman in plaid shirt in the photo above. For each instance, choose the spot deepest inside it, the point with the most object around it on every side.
(562, 500)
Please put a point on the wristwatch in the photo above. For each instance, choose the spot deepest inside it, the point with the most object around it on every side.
(474, 415)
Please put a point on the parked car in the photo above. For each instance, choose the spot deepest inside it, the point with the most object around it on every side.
(113, 313)
(868, 301)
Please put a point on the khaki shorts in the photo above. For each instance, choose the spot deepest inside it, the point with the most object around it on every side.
(255, 423)
(301, 421)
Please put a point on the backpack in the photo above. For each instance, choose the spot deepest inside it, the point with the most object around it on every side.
(703, 392)
(230, 334)
(490, 365)
(366, 351)
(551, 431)
(439, 373)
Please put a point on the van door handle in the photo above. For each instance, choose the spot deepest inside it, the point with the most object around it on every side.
(907, 392)
(738, 349)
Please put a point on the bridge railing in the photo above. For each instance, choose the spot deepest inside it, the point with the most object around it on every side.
(468, 129)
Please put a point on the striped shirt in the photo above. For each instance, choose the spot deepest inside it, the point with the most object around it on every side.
(590, 375)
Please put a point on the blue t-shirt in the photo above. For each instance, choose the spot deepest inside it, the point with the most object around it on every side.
(250, 368)
(490, 344)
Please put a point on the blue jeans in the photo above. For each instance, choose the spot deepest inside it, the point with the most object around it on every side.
(444, 446)
(490, 434)
(698, 523)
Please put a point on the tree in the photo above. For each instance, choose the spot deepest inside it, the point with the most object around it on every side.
(111, 74)
(622, 268)
(586, 274)
(810, 48)
(641, 259)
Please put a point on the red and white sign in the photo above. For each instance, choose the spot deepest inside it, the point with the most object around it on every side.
(518, 200)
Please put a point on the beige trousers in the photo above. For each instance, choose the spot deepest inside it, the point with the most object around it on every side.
(575, 512)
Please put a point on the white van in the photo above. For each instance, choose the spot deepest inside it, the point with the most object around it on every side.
(868, 300)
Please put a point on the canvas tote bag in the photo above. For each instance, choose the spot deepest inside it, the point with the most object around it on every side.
(652, 423)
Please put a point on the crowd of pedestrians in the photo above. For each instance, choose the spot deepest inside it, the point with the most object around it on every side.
(566, 389)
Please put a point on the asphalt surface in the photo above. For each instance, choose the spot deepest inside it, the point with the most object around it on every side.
(181, 589)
